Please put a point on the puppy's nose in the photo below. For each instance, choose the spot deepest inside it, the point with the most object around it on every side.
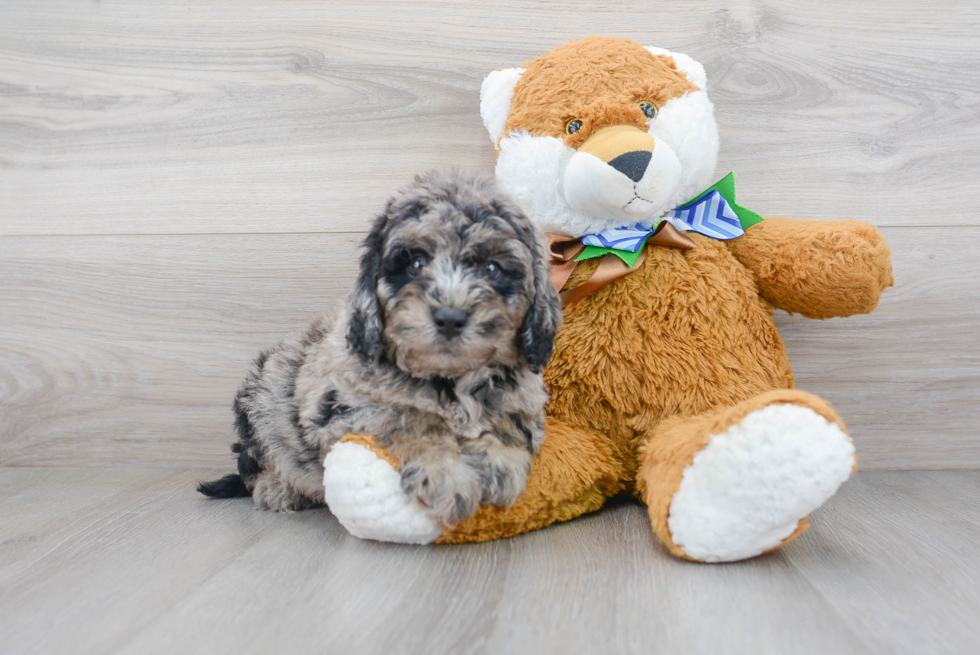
(450, 320)
(632, 164)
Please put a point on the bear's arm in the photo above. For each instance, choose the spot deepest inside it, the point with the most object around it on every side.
(819, 269)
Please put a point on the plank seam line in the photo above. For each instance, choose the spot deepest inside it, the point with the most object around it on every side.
(341, 233)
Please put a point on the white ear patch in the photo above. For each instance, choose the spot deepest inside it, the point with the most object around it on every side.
(495, 95)
(692, 69)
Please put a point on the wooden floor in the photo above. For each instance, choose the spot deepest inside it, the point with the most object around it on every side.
(134, 561)
(182, 183)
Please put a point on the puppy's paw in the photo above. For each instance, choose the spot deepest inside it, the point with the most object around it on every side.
(272, 493)
(446, 485)
(503, 470)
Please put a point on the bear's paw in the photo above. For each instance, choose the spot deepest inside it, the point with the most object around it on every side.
(748, 490)
(364, 492)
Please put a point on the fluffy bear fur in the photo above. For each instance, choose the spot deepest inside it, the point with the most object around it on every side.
(642, 365)
(647, 368)
(653, 369)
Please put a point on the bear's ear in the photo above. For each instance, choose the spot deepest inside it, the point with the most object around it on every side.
(692, 69)
(495, 95)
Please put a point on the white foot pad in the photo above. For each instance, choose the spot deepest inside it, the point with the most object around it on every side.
(749, 487)
(365, 493)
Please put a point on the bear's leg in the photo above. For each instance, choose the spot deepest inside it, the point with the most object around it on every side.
(573, 473)
(741, 480)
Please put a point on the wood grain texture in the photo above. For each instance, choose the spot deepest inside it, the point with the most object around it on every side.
(134, 561)
(180, 185)
(905, 378)
(131, 117)
(128, 349)
(910, 527)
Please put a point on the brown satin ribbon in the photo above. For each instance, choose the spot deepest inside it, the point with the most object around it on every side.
(564, 250)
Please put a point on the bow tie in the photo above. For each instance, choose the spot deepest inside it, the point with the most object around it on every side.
(714, 213)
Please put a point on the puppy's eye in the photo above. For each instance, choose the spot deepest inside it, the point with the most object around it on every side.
(649, 109)
(418, 263)
(493, 270)
(573, 126)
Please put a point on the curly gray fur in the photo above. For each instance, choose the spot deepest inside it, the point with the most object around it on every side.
(459, 403)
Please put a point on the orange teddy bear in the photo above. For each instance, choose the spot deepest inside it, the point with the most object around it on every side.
(669, 380)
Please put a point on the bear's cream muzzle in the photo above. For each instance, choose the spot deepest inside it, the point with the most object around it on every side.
(622, 172)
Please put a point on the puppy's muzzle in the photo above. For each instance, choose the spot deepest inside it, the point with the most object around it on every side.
(627, 149)
(450, 321)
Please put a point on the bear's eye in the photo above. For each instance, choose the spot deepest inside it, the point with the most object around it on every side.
(573, 126)
(649, 109)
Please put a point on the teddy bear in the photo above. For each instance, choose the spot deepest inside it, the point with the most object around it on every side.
(669, 381)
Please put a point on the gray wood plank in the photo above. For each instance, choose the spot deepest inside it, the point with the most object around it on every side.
(901, 570)
(888, 567)
(905, 378)
(132, 348)
(596, 585)
(606, 586)
(40, 506)
(134, 117)
(128, 350)
(106, 569)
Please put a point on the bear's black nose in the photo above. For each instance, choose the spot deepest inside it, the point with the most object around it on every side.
(632, 164)
(450, 321)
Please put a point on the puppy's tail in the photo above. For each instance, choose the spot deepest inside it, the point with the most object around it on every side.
(230, 486)
(233, 485)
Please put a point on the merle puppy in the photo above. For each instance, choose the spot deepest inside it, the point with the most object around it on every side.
(437, 353)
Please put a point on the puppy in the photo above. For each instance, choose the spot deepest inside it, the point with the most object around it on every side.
(437, 353)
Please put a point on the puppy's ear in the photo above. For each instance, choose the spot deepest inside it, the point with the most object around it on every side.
(536, 339)
(543, 317)
(365, 333)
